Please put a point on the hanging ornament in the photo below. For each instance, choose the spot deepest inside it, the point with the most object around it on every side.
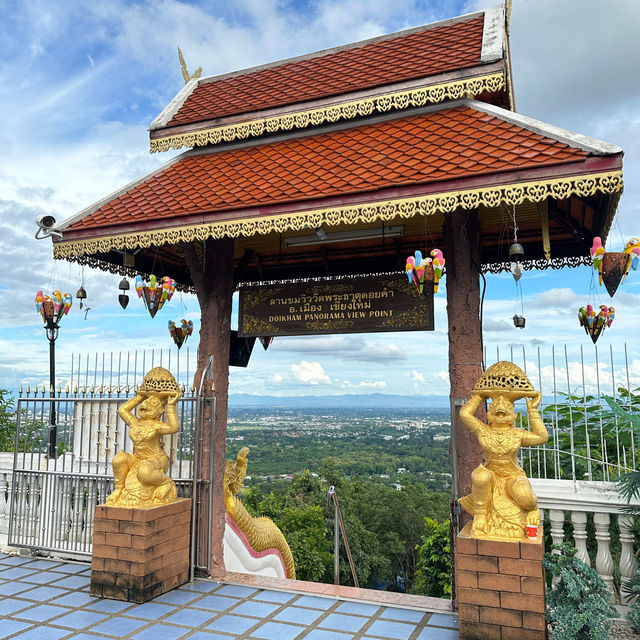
(181, 333)
(265, 341)
(123, 298)
(438, 267)
(516, 253)
(425, 270)
(53, 307)
(81, 294)
(594, 324)
(613, 266)
(154, 295)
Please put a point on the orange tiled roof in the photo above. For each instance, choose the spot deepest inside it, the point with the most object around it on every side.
(452, 46)
(455, 143)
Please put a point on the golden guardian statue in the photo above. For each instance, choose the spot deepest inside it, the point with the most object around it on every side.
(501, 500)
(140, 477)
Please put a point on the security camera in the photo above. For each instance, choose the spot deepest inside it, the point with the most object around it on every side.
(45, 224)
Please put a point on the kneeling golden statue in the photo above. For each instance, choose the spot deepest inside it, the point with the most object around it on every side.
(502, 500)
(140, 477)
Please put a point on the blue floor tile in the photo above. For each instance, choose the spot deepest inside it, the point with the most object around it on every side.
(9, 627)
(11, 588)
(86, 636)
(274, 596)
(41, 613)
(255, 608)
(74, 599)
(109, 606)
(80, 619)
(72, 582)
(208, 635)
(432, 633)
(236, 590)
(216, 603)
(443, 620)
(150, 610)
(358, 608)
(299, 615)
(343, 622)
(15, 573)
(315, 602)
(42, 633)
(190, 617)
(160, 632)
(15, 560)
(68, 567)
(44, 577)
(119, 626)
(46, 565)
(203, 586)
(177, 597)
(277, 631)
(232, 624)
(323, 634)
(391, 629)
(8, 606)
(41, 594)
(404, 615)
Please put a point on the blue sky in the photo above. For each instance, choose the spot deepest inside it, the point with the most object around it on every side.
(80, 83)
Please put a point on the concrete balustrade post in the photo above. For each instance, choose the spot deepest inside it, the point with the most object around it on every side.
(579, 520)
(604, 561)
(628, 563)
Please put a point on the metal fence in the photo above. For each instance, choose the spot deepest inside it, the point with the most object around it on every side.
(54, 492)
(587, 440)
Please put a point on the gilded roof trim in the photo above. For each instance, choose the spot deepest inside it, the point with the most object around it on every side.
(510, 194)
(416, 97)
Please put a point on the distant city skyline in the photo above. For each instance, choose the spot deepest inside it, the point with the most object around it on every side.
(82, 82)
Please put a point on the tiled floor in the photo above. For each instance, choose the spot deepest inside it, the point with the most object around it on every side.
(49, 600)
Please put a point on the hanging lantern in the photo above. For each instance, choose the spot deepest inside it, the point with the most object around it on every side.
(154, 295)
(613, 266)
(519, 321)
(53, 307)
(181, 333)
(123, 298)
(516, 254)
(594, 324)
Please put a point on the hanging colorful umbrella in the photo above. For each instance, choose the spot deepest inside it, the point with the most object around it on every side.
(154, 295)
(594, 324)
(181, 333)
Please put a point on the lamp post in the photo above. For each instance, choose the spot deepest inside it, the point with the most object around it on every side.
(52, 309)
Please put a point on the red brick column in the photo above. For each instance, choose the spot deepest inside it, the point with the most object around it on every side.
(500, 588)
(139, 554)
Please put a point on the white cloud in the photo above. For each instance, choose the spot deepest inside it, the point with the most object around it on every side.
(310, 373)
(364, 384)
(416, 376)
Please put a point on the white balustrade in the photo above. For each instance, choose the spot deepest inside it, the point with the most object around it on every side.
(602, 500)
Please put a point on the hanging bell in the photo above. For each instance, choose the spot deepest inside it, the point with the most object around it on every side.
(519, 321)
(81, 294)
(124, 285)
(516, 253)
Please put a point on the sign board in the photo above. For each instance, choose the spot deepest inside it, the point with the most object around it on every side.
(352, 305)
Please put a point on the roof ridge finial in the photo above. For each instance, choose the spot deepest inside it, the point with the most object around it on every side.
(185, 74)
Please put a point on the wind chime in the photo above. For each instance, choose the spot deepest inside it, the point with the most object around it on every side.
(427, 271)
(180, 333)
(516, 255)
(612, 268)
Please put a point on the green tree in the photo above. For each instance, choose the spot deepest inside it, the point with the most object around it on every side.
(433, 571)
(7, 421)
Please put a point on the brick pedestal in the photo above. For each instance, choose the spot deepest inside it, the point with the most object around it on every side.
(139, 554)
(500, 588)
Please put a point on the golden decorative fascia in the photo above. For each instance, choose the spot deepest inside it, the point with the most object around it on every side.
(511, 194)
(418, 97)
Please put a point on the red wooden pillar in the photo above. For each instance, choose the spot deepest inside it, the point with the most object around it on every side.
(462, 253)
(213, 277)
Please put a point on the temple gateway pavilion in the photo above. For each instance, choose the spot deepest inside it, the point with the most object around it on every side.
(379, 140)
